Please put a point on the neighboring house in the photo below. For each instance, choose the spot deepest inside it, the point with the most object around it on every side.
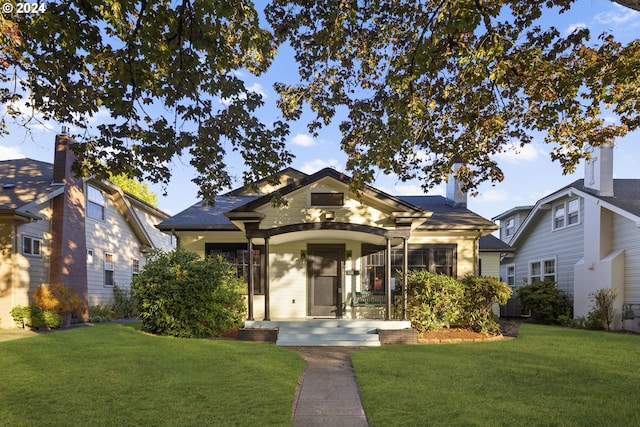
(329, 252)
(55, 228)
(510, 221)
(584, 237)
(492, 250)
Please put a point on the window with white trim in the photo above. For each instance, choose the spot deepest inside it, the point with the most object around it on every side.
(89, 256)
(511, 275)
(573, 211)
(566, 214)
(95, 203)
(542, 270)
(510, 227)
(135, 266)
(109, 269)
(31, 246)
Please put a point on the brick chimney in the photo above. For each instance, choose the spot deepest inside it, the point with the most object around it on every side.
(455, 196)
(598, 172)
(68, 262)
(63, 158)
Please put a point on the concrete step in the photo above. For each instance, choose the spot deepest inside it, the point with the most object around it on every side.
(332, 343)
(328, 332)
(330, 323)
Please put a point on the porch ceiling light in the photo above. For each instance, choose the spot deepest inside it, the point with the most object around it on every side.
(329, 216)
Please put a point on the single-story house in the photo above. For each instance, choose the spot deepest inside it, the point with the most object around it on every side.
(58, 229)
(584, 236)
(328, 252)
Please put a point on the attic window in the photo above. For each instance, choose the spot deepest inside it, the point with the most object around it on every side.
(327, 199)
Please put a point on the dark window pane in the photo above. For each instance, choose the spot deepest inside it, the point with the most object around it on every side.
(327, 199)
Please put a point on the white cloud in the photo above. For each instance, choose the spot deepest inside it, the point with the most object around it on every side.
(515, 154)
(315, 165)
(620, 15)
(9, 153)
(257, 88)
(303, 140)
(574, 27)
(494, 196)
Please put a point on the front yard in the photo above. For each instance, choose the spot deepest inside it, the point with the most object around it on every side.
(116, 375)
(548, 376)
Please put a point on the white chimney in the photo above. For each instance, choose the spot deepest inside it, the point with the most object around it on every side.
(598, 172)
(455, 196)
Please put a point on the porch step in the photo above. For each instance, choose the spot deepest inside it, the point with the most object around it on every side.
(325, 333)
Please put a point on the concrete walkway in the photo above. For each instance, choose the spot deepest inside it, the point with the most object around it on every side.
(328, 394)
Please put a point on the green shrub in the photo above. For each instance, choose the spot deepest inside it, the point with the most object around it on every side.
(32, 315)
(100, 313)
(180, 294)
(433, 300)
(602, 313)
(52, 319)
(124, 306)
(476, 306)
(546, 302)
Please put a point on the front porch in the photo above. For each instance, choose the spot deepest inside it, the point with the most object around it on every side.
(323, 332)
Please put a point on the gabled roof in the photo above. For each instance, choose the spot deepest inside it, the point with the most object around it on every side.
(512, 211)
(491, 243)
(201, 216)
(433, 210)
(626, 200)
(26, 183)
(626, 194)
(242, 191)
(24, 180)
(338, 176)
(446, 216)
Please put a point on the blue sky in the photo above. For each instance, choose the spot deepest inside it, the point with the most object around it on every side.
(529, 173)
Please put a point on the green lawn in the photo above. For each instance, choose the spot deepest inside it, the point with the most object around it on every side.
(549, 376)
(114, 375)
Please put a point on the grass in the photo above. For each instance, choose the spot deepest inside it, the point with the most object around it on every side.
(549, 376)
(115, 375)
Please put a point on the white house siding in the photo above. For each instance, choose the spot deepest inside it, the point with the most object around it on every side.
(541, 242)
(626, 235)
(160, 240)
(490, 262)
(113, 235)
(34, 269)
(298, 209)
(287, 283)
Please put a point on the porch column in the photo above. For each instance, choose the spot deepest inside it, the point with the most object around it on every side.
(405, 275)
(250, 290)
(387, 281)
(266, 278)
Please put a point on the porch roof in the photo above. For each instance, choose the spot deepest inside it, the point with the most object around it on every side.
(201, 216)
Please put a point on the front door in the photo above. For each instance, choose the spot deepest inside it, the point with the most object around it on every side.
(324, 270)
